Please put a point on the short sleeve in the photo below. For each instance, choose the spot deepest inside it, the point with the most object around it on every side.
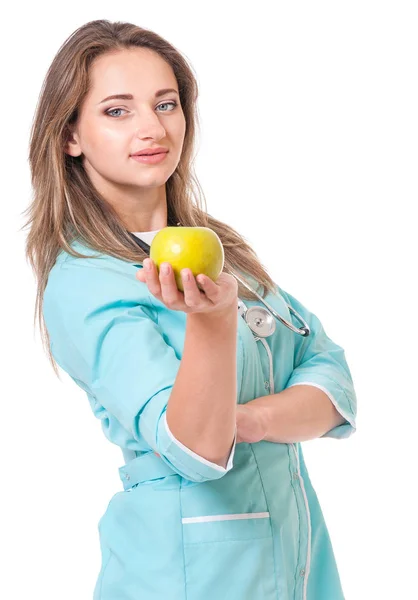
(105, 335)
(320, 362)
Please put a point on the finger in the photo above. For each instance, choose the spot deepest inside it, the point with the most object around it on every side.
(193, 297)
(140, 275)
(151, 278)
(169, 290)
(209, 287)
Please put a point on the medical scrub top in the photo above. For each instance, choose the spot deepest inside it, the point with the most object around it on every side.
(182, 527)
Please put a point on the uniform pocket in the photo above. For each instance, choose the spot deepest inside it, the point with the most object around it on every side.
(229, 557)
(229, 527)
(227, 536)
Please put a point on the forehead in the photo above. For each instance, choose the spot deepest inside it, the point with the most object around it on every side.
(138, 71)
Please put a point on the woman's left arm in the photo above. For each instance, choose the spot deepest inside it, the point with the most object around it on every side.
(297, 414)
(318, 399)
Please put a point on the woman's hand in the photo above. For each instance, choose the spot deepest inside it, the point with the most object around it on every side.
(218, 296)
(251, 423)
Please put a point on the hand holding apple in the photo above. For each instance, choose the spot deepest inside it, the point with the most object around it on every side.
(198, 252)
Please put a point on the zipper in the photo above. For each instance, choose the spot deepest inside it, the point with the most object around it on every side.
(308, 514)
(302, 486)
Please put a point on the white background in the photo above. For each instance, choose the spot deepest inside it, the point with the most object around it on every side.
(308, 148)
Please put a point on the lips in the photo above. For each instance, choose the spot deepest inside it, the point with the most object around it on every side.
(151, 152)
(150, 159)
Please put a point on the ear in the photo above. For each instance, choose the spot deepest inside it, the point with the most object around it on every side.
(72, 145)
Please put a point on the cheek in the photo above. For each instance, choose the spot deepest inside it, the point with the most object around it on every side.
(177, 133)
(105, 146)
(108, 139)
(101, 135)
(181, 129)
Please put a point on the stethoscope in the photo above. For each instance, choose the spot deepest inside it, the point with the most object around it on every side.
(260, 320)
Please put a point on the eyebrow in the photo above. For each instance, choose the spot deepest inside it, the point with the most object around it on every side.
(130, 96)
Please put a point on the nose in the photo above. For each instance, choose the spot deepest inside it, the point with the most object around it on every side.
(149, 125)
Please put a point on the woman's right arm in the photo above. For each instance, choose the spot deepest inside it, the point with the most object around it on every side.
(201, 410)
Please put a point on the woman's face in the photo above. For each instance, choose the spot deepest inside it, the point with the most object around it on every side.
(109, 132)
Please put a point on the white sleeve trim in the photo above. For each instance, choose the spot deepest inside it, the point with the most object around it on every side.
(342, 412)
(197, 456)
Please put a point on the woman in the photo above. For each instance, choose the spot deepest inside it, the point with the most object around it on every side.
(216, 499)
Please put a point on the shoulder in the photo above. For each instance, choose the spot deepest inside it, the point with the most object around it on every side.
(81, 283)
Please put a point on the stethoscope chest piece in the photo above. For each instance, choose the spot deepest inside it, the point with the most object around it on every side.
(260, 321)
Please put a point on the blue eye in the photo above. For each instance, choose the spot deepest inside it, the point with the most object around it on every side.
(173, 104)
(107, 112)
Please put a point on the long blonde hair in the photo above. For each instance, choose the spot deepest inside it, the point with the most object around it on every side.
(65, 204)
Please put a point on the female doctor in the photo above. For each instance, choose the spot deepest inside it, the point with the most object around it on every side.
(216, 501)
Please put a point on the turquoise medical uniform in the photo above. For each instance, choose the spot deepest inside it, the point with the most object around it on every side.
(181, 527)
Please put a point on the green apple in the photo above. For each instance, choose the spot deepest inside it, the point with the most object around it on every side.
(196, 248)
